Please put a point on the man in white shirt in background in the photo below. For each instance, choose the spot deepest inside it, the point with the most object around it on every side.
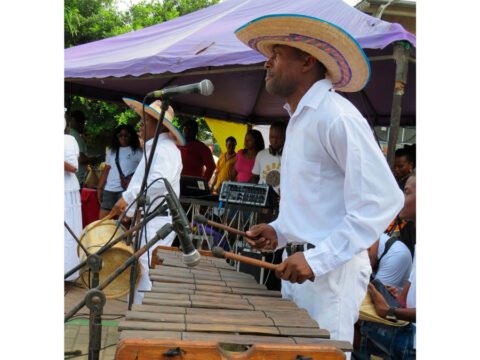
(393, 266)
(167, 163)
(266, 169)
(337, 192)
(384, 340)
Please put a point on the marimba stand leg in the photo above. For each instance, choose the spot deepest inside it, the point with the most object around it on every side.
(95, 300)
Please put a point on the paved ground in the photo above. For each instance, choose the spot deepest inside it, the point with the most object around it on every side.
(76, 335)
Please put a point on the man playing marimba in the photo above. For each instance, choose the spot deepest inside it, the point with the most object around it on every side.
(167, 163)
(337, 191)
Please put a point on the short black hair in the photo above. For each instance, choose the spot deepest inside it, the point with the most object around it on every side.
(78, 115)
(231, 138)
(280, 125)
(405, 153)
(192, 124)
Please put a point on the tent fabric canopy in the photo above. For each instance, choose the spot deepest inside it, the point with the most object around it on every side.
(203, 44)
(222, 130)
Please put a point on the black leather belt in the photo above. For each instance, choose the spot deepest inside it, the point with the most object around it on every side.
(165, 213)
(294, 248)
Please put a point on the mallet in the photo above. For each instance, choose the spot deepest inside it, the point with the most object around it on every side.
(220, 253)
(204, 221)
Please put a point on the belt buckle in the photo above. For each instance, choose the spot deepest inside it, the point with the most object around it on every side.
(297, 248)
(294, 248)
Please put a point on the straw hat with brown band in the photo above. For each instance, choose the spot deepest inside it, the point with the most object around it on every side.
(368, 313)
(154, 110)
(347, 65)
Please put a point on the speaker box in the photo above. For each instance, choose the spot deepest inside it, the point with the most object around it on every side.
(269, 278)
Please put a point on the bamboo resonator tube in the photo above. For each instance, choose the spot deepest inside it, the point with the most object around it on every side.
(220, 253)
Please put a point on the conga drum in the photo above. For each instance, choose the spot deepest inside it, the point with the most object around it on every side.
(93, 237)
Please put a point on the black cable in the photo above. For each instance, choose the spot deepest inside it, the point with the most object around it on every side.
(87, 317)
(101, 349)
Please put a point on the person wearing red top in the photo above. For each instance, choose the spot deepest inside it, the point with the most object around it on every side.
(246, 157)
(197, 158)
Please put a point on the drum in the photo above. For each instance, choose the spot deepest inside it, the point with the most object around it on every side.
(212, 312)
(93, 237)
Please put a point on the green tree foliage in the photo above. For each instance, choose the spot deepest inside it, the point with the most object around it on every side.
(90, 20)
(148, 13)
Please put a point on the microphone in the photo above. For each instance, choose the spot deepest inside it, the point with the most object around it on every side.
(204, 87)
(191, 256)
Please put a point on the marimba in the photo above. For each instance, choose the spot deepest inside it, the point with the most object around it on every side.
(213, 312)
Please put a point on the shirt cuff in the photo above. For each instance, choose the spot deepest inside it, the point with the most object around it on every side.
(129, 198)
(282, 240)
(322, 260)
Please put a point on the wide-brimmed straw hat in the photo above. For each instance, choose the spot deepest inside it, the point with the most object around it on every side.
(347, 65)
(154, 110)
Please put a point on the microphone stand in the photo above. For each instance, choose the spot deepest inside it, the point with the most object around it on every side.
(137, 241)
(161, 234)
(76, 239)
(95, 297)
(121, 237)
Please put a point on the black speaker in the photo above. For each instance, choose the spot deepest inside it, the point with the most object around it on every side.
(269, 278)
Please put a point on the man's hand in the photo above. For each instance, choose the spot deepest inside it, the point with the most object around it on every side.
(262, 237)
(381, 305)
(295, 269)
(119, 207)
(392, 290)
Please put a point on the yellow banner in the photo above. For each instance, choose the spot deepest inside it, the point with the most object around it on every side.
(223, 129)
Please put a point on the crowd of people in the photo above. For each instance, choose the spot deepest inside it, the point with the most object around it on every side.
(346, 221)
(124, 162)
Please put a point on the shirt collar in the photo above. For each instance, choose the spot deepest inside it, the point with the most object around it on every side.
(313, 97)
(73, 131)
(149, 143)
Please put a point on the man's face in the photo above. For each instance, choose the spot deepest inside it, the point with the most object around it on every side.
(409, 211)
(188, 132)
(401, 167)
(276, 138)
(283, 71)
(231, 146)
(147, 128)
(78, 125)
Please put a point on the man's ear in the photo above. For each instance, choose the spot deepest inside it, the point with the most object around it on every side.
(308, 63)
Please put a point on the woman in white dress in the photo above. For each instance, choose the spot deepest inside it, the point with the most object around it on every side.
(121, 159)
(72, 211)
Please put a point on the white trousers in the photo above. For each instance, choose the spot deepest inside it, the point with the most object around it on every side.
(144, 283)
(72, 214)
(333, 300)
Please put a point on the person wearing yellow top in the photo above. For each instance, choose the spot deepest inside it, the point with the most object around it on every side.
(225, 165)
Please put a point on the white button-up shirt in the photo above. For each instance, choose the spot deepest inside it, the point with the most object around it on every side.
(167, 163)
(337, 191)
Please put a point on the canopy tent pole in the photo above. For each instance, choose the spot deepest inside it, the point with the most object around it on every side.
(401, 52)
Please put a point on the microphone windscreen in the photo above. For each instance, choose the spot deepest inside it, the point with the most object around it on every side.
(206, 87)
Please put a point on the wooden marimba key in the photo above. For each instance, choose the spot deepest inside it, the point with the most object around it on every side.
(213, 312)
